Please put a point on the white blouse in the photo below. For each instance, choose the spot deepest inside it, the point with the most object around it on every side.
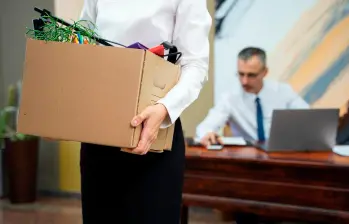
(185, 23)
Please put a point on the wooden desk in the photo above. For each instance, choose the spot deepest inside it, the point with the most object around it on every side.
(290, 186)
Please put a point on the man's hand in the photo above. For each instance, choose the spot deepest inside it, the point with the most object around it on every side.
(211, 138)
(151, 117)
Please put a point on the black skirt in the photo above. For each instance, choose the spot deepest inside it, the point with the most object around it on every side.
(119, 187)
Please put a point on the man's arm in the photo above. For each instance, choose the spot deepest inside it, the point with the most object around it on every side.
(294, 101)
(343, 132)
(216, 118)
(343, 129)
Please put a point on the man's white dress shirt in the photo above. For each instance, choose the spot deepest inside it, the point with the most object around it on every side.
(238, 108)
(185, 23)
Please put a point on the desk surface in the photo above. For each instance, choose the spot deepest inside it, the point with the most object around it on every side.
(254, 154)
(310, 186)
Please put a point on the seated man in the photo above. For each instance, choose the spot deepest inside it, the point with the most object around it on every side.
(343, 130)
(248, 109)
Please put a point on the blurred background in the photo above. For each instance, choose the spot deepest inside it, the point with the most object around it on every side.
(307, 43)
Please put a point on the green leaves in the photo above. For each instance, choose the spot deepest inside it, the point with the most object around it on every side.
(54, 31)
(20, 136)
(2, 124)
(5, 130)
(8, 116)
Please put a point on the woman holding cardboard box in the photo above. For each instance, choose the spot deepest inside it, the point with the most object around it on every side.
(145, 187)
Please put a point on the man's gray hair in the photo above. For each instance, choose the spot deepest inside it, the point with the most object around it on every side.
(249, 52)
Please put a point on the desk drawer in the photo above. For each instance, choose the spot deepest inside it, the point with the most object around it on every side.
(304, 174)
(294, 184)
(268, 191)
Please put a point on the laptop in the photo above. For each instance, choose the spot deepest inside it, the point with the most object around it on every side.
(302, 130)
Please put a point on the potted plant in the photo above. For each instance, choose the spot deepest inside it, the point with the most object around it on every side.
(20, 154)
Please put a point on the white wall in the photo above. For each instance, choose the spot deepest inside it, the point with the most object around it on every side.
(2, 92)
(2, 87)
(18, 15)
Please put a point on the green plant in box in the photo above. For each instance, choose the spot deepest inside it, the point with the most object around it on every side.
(54, 31)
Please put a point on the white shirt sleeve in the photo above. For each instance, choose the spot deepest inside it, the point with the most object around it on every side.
(89, 11)
(294, 100)
(191, 37)
(216, 118)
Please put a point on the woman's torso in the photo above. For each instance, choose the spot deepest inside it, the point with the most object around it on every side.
(129, 21)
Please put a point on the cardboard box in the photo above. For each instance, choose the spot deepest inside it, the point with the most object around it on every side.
(90, 93)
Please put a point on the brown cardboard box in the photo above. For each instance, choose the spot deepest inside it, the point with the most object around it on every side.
(90, 93)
